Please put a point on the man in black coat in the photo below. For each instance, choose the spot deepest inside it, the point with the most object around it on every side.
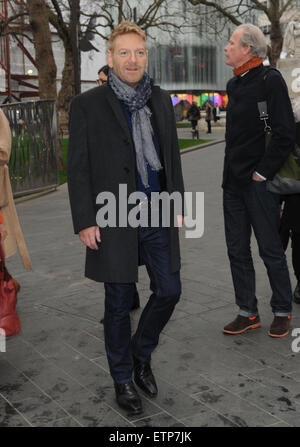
(248, 164)
(123, 134)
(290, 219)
(102, 79)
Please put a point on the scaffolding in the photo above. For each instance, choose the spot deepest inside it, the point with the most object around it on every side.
(15, 86)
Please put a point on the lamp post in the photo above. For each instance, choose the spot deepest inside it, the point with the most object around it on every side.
(74, 36)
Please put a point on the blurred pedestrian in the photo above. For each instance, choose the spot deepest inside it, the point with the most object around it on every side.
(208, 115)
(11, 233)
(102, 75)
(290, 218)
(247, 202)
(193, 115)
(290, 230)
(216, 112)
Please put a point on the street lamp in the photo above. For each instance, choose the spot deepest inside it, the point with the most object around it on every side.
(74, 36)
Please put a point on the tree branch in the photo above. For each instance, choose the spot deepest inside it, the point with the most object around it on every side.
(218, 8)
(285, 7)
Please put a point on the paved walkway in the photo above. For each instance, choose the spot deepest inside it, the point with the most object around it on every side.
(55, 372)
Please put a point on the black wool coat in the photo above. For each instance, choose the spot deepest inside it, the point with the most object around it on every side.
(245, 137)
(290, 219)
(101, 156)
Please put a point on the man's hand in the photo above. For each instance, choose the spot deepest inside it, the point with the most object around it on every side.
(89, 237)
(180, 220)
(3, 231)
(257, 178)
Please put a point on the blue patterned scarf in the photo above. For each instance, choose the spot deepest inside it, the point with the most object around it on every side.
(135, 100)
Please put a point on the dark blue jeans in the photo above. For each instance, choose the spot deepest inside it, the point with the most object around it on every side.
(166, 291)
(247, 207)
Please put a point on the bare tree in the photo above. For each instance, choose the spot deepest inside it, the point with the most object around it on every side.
(100, 19)
(30, 20)
(159, 14)
(46, 66)
(162, 15)
(61, 22)
(236, 12)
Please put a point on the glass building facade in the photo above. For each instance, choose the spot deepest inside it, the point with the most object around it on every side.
(193, 65)
(193, 70)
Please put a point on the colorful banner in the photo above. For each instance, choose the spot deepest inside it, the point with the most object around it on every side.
(219, 99)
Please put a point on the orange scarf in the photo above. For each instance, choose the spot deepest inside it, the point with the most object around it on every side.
(251, 63)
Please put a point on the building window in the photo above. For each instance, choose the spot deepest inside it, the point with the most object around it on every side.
(187, 64)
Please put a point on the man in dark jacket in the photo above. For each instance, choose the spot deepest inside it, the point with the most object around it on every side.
(247, 202)
(124, 134)
(290, 219)
(193, 115)
(102, 79)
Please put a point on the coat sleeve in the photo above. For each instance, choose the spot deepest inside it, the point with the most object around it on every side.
(282, 123)
(178, 184)
(78, 170)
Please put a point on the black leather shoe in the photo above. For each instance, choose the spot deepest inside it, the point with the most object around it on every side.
(144, 378)
(135, 304)
(297, 293)
(128, 398)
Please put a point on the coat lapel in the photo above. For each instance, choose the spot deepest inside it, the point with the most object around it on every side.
(117, 109)
(157, 108)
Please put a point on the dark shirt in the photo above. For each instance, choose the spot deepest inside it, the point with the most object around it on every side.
(245, 137)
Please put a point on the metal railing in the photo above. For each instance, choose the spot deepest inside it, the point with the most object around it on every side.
(33, 162)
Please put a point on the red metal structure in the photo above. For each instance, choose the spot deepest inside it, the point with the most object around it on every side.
(14, 91)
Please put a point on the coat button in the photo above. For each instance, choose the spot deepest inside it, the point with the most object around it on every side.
(126, 169)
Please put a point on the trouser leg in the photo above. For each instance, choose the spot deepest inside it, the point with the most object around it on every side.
(208, 126)
(263, 209)
(117, 329)
(165, 287)
(238, 234)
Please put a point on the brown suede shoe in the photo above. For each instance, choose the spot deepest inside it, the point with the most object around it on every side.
(280, 326)
(242, 324)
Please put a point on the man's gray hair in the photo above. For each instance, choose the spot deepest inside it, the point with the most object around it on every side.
(255, 38)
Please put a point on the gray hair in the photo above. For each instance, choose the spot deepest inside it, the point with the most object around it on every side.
(252, 36)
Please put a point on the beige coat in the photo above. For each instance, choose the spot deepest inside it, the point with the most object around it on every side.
(14, 238)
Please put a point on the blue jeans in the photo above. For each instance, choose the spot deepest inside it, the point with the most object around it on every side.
(247, 207)
(166, 291)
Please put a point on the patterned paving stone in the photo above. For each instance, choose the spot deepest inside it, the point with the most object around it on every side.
(41, 411)
(239, 411)
(159, 420)
(9, 417)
